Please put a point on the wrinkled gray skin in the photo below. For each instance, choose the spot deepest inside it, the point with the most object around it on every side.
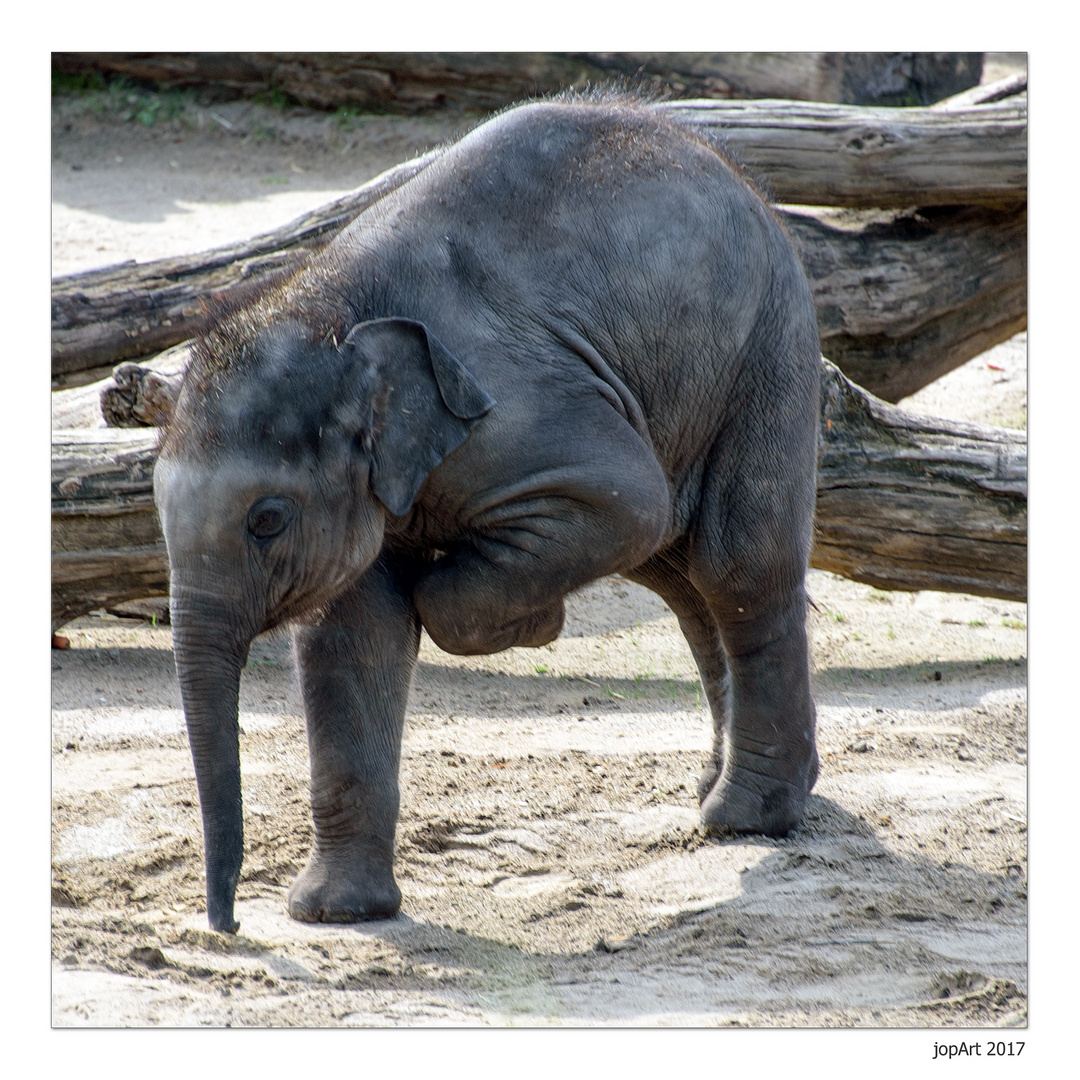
(577, 344)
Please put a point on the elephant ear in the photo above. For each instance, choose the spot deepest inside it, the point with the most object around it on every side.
(424, 402)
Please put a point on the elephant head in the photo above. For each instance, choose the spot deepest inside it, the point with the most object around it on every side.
(283, 459)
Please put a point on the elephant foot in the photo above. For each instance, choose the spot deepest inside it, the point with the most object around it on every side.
(476, 637)
(745, 801)
(329, 891)
(540, 628)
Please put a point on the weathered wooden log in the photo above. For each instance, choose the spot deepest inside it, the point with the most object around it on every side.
(107, 545)
(901, 298)
(904, 502)
(420, 82)
(912, 502)
(139, 397)
(846, 155)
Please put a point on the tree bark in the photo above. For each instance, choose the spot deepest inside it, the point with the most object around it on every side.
(904, 502)
(846, 155)
(903, 299)
(107, 545)
(912, 502)
(421, 82)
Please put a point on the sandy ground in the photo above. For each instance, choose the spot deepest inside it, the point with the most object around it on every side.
(548, 850)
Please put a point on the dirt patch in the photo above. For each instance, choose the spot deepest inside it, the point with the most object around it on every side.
(548, 850)
(201, 176)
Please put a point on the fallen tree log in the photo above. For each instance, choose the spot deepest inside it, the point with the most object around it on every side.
(421, 82)
(107, 545)
(901, 298)
(134, 395)
(904, 502)
(912, 502)
(845, 155)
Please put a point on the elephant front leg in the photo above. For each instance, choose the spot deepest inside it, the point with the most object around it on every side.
(543, 537)
(356, 668)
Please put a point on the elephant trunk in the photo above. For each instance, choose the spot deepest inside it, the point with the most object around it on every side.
(211, 645)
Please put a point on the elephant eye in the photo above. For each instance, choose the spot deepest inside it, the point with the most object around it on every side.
(268, 517)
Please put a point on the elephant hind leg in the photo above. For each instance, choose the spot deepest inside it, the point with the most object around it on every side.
(666, 576)
(748, 561)
(763, 761)
(768, 761)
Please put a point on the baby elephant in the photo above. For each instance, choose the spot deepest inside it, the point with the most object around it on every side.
(577, 343)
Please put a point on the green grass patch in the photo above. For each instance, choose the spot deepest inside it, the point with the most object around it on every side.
(275, 98)
(123, 98)
(65, 83)
(346, 119)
